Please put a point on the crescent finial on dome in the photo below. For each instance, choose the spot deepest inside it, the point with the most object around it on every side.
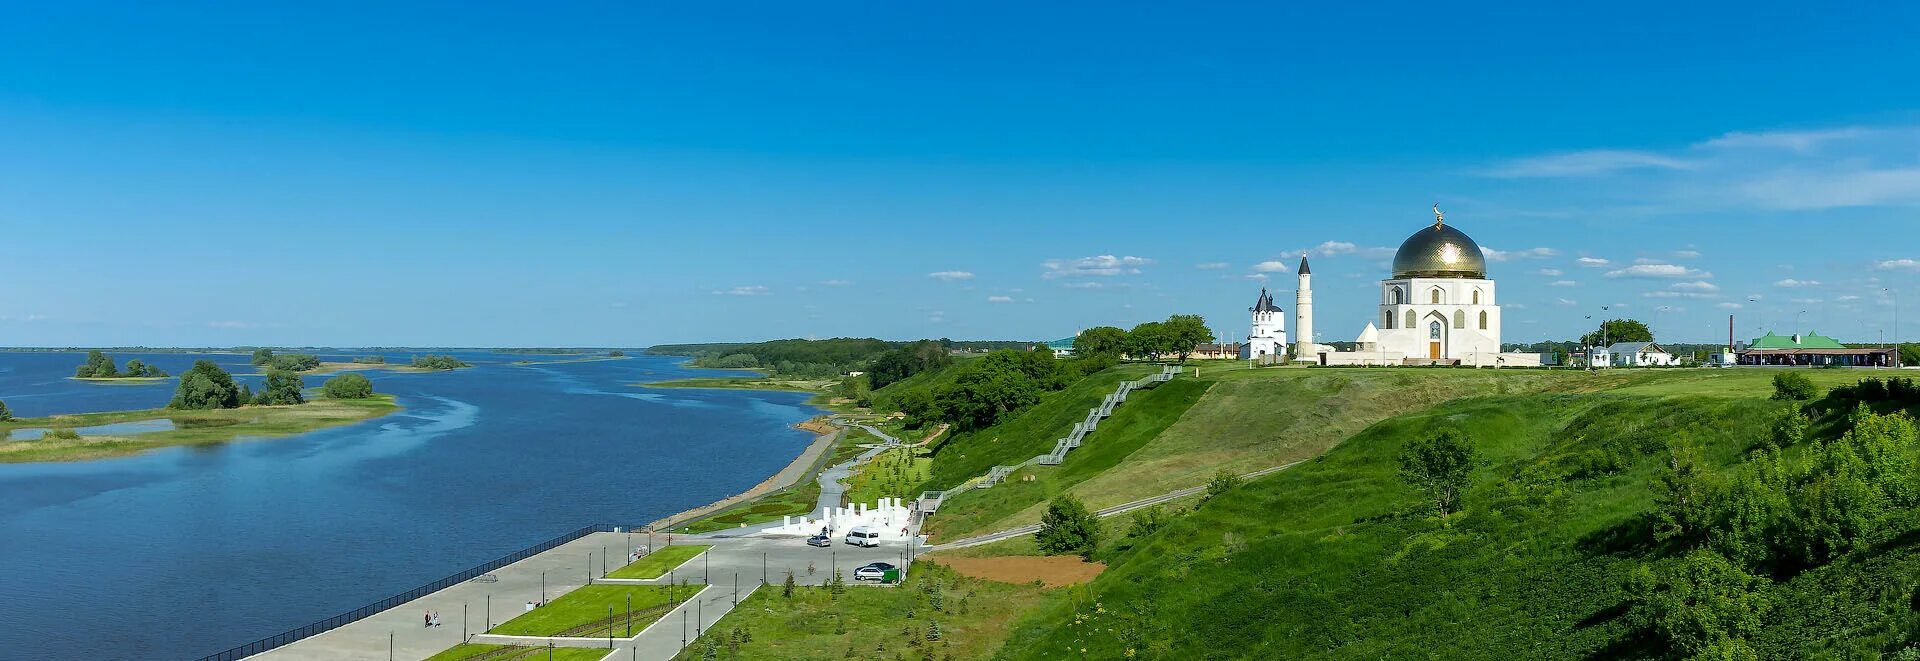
(1439, 219)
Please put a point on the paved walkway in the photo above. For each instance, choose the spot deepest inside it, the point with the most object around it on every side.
(785, 478)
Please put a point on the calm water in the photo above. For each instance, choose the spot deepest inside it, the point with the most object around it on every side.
(183, 552)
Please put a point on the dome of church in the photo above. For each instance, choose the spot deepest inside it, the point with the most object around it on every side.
(1439, 251)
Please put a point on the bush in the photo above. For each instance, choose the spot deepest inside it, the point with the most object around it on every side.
(370, 360)
(262, 356)
(293, 362)
(62, 434)
(1068, 527)
(348, 386)
(205, 386)
(5, 413)
(138, 368)
(1792, 386)
(1441, 466)
(1222, 482)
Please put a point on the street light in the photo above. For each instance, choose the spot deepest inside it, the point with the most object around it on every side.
(1896, 324)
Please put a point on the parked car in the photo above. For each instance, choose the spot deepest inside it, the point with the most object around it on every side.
(821, 540)
(873, 572)
(863, 536)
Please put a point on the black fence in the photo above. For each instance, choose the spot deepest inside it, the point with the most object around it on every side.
(368, 610)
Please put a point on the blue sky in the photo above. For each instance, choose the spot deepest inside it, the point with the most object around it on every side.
(613, 174)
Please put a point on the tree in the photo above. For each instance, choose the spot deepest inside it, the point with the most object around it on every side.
(1792, 386)
(6, 414)
(205, 386)
(1682, 495)
(348, 386)
(138, 368)
(616, 353)
(1186, 331)
(1148, 340)
(293, 362)
(786, 588)
(1100, 341)
(283, 387)
(98, 366)
(1148, 521)
(1440, 466)
(262, 356)
(1617, 330)
(1068, 527)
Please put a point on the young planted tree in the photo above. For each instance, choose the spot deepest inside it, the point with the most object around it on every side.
(1068, 527)
(1440, 466)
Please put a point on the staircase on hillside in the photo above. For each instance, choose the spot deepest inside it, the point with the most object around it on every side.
(1100, 411)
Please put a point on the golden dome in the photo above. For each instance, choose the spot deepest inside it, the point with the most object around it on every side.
(1439, 251)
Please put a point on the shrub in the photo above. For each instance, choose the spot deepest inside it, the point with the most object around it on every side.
(262, 356)
(433, 362)
(348, 386)
(1068, 527)
(1222, 482)
(1792, 386)
(5, 413)
(1440, 466)
(293, 362)
(62, 434)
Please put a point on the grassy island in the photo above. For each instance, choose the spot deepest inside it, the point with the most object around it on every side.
(189, 427)
(100, 368)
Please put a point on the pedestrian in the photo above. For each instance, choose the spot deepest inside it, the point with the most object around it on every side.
(426, 619)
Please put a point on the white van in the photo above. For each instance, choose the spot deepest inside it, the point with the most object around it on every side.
(863, 536)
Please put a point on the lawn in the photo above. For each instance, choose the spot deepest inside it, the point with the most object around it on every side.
(657, 563)
(583, 612)
(518, 653)
(872, 622)
(190, 427)
(893, 473)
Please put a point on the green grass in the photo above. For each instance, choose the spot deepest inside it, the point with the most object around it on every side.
(869, 620)
(1144, 416)
(893, 473)
(1028, 434)
(583, 612)
(656, 564)
(1337, 558)
(191, 427)
(517, 653)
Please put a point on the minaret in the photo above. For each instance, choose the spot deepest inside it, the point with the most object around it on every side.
(1303, 314)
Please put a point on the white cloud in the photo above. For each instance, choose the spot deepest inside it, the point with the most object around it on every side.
(1799, 141)
(1529, 253)
(1848, 297)
(1695, 286)
(1096, 266)
(1586, 163)
(1592, 262)
(1658, 271)
(745, 290)
(1551, 273)
(951, 276)
(1085, 284)
(1562, 283)
(1898, 265)
(999, 299)
(1211, 266)
(1792, 283)
(1334, 248)
(1567, 301)
(836, 283)
(1686, 254)
(1256, 276)
(1271, 266)
(1727, 306)
(210, 324)
(1806, 301)
(1515, 306)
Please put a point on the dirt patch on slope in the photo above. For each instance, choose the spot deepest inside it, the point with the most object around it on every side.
(1052, 570)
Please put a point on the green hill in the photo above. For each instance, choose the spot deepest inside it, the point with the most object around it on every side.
(1338, 558)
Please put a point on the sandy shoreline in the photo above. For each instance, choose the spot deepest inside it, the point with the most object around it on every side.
(785, 477)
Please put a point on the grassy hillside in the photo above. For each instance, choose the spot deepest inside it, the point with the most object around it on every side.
(1027, 434)
(1338, 558)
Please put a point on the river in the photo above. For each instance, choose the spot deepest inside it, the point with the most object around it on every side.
(183, 552)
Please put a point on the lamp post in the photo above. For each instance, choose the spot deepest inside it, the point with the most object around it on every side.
(543, 588)
(1896, 324)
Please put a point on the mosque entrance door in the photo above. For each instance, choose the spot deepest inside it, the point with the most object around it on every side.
(1433, 350)
(1433, 341)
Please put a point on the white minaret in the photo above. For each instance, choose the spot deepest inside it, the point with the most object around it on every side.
(1303, 314)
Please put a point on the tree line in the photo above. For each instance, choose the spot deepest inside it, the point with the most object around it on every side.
(1177, 337)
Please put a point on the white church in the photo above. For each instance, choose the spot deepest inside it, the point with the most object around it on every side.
(1439, 308)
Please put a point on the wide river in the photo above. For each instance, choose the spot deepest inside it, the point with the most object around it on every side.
(183, 552)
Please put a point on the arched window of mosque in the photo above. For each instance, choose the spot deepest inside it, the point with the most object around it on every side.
(1483, 320)
(1435, 295)
(1396, 295)
(1476, 297)
(1433, 331)
(1387, 320)
(1459, 318)
(1412, 321)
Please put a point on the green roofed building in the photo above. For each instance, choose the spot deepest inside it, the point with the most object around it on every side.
(1812, 349)
(1062, 347)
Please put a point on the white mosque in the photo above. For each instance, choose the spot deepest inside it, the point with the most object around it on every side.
(1438, 308)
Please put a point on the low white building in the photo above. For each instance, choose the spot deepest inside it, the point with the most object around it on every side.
(1634, 354)
(889, 517)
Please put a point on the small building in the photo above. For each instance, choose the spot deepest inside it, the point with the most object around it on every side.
(1216, 351)
(1813, 349)
(1637, 354)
